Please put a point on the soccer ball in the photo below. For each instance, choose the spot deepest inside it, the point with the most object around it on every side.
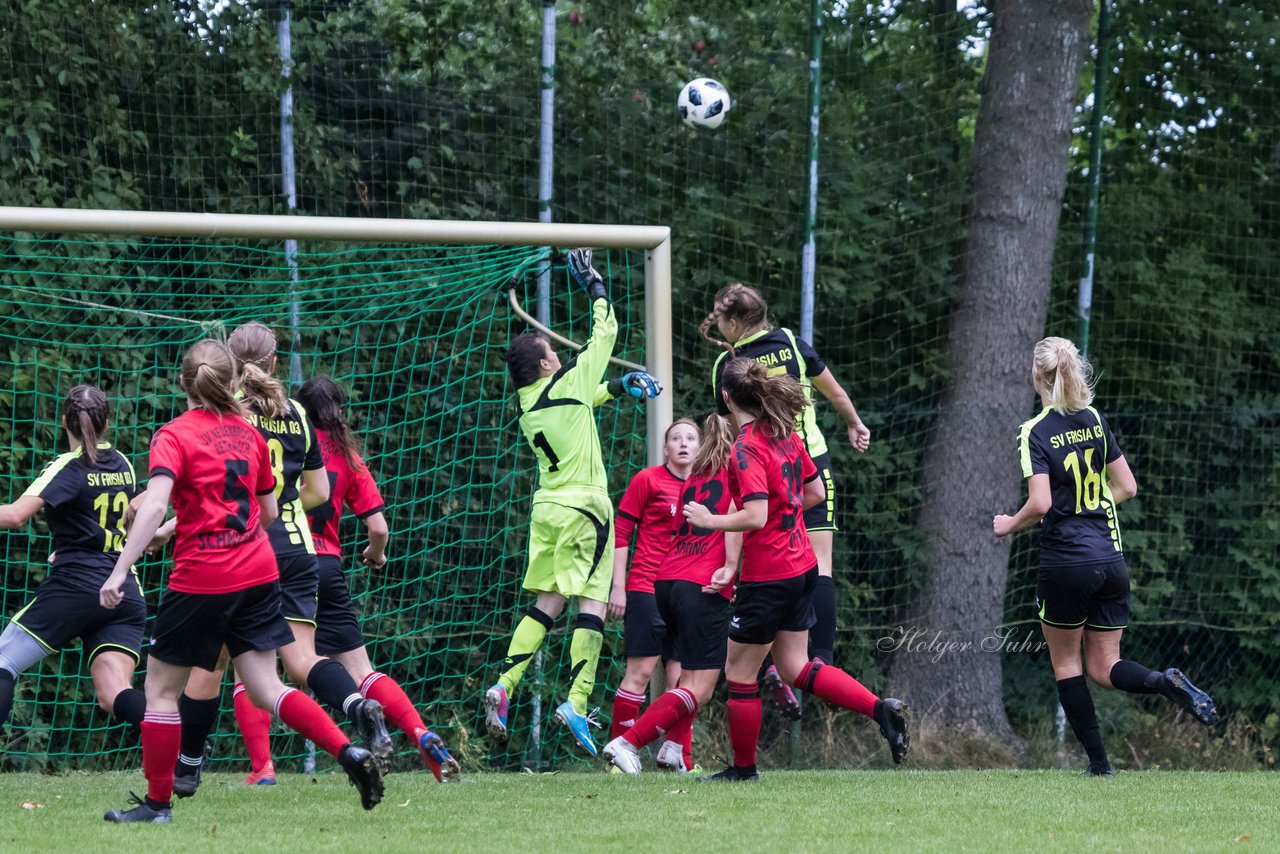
(703, 102)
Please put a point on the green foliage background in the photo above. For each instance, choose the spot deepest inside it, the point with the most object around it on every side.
(431, 110)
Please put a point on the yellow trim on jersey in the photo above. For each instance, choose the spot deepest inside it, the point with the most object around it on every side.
(1108, 500)
(1024, 442)
(51, 471)
(302, 416)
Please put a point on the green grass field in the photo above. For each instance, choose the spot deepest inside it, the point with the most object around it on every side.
(1158, 811)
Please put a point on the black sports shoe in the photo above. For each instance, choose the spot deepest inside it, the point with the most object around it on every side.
(731, 774)
(1099, 769)
(364, 773)
(892, 715)
(186, 778)
(1178, 687)
(142, 812)
(371, 724)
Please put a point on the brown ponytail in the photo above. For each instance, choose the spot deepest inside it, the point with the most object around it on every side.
(777, 400)
(325, 402)
(85, 412)
(209, 377)
(716, 446)
(254, 347)
(736, 302)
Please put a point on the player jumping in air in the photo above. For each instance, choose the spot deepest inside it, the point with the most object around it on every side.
(1076, 475)
(650, 508)
(742, 317)
(693, 588)
(85, 494)
(571, 522)
(773, 481)
(338, 634)
(224, 590)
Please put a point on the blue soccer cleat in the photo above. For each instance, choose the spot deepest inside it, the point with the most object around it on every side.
(578, 724)
(437, 757)
(495, 712)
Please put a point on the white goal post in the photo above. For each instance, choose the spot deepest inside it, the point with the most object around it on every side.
(655, 240)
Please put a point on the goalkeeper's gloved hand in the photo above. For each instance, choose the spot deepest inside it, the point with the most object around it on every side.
(636, 384)
(585, 275)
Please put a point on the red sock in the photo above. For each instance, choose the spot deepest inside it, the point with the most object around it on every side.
(255, 727)
(663, 715)
(682, 734)
(835, 686)
(161, 741)
(744, 722)
(395, 704)
(304, 715)
(626, 708)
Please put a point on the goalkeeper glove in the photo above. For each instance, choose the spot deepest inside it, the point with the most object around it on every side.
(585, 275)
(636, 384)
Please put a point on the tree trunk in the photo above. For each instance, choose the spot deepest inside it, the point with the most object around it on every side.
(943, 668)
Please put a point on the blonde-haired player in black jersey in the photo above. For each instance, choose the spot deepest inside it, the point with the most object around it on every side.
(1076, 476)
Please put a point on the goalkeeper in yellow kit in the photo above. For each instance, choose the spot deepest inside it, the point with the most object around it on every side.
(571, 524)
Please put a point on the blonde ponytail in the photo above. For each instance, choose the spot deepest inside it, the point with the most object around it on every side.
(716, 445)
(254, 346)
(1065, 375)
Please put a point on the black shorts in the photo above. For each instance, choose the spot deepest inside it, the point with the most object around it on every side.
(822, 516)
(299, 583)
(1093, 595)
(337, 626)
(64, 609)
(761, 609)
(697, 622)
(644, 634)
(192, 628)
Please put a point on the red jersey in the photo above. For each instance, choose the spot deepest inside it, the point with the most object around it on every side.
(347, 486)
(764, 468)
(696, 553)
(652, 503)
(218, 464)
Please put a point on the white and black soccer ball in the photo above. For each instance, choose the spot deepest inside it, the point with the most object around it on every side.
(703, 102)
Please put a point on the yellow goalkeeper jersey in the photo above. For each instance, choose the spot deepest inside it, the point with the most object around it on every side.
(557, 415)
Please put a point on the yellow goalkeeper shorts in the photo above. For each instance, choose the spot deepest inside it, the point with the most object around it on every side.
(570, 548)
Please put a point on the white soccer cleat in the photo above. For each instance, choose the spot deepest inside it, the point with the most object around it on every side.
(623, 756)
(671, 757)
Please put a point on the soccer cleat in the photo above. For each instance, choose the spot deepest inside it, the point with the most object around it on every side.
(1099, 769)
(142, 812)
(1178, 688)
(264, 777)
(783, 697)
(495, 712)
(371, 724)
(671, 757)
(578, 724)
(437, 757)
(892, 714)
(364, 772)
(622, 755)
(186, 778)
(731, 774)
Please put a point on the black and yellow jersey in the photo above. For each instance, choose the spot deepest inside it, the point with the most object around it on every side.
(558, 420)
(781, 352)
(292, 445)
(1073, 450)
(84, 505)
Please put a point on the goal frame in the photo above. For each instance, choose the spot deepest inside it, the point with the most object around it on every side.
(655, 240)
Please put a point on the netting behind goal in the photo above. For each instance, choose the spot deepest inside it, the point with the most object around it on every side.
(416, 335)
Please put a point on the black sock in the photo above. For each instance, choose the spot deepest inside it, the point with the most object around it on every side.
(822, 637)
(1077, 702)
(129, 706)
(157, 805)
(1132, 677)
(333, 685)
(6, 695)
(198, 718)
(764, 666)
